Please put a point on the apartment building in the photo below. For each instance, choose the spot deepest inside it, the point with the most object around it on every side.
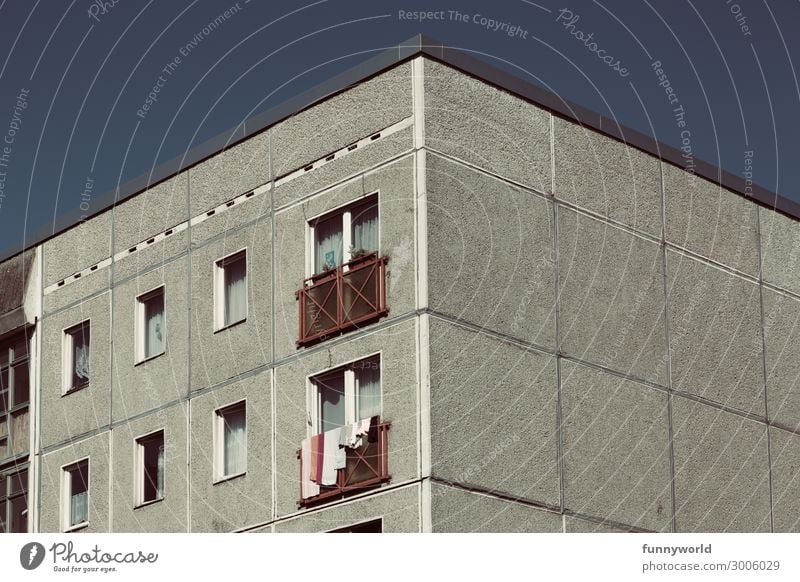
(426, 296)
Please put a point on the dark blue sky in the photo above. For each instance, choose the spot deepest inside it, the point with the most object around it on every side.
(84, 71)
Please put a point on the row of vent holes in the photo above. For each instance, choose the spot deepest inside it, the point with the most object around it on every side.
(350, 148)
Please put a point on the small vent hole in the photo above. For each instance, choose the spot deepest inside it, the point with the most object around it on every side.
(376, 136)
(169, 232)
(352, 147)
(210, 213)
(330, 157)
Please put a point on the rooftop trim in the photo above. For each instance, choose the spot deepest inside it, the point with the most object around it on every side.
(459, 59)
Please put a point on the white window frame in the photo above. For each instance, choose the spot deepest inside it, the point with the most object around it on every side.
(138, 455)
(66, 494)
(219, 289)
(139, 325)
(67, 353)
(345, 210)
(219, 441)
(313, 395)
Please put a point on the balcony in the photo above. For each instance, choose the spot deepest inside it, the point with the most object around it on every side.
(343, 298)
(366, 466)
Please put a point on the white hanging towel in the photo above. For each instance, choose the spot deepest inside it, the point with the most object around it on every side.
(330, 456)
(307, 487)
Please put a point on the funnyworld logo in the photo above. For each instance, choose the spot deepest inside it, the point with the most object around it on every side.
(31, 555)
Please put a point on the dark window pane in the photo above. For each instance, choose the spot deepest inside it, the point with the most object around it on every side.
(153, 468)
(3, 517)
(20, 348)
(18, 522)
(332, 412)
(3, 401)
(19, 482)
(374, 526)
(21, 383)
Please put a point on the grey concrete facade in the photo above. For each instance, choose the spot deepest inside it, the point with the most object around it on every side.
(580, 336)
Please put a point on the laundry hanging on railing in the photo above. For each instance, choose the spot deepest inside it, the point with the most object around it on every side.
(323, 455)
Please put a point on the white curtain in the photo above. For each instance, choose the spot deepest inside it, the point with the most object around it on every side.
(160, 478)
(154, 326)
(79, 504)
(80, 342)
(235, 442)
(328, 235)
(368, 387)
(332, 407)
(365, 228)
(235, 291)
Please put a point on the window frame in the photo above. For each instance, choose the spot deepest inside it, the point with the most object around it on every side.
(139, 332)
(219, 289)
(218, 430)
(139, 474)
(359, 524)
(67, 354)
(15, 410)
(6, 497)
(351, 397)
(346, 212)
(66, 495)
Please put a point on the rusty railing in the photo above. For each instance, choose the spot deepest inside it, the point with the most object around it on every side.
(342, 298)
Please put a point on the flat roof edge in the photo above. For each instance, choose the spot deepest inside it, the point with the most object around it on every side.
(375, 65)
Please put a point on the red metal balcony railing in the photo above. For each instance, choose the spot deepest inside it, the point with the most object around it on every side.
(342, 298)
(367, 466)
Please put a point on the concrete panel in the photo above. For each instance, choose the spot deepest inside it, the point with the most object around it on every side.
(394, 185)
(217, 356)
(780, 249)
(782, 345)
(169, 514)
(493, 414)
(78, 248)
(721, 470)
(473, 121)
(458, 511)
(243, 500)
(616, 448)
(64, 417)
(341, 120)
(139, 387)
(710, 221)
(151, 212)
(339, 169)
(577, 525)
(785, 451)
(243, 213)
(75, 292)
(490, 253)
(97, 450)
(151, 257)
(397, 345)
(715, 335)
(611, 297)
(398, 508)
(228, 174)
(605, 176)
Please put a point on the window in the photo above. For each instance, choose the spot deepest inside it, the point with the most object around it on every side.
(372, 526)
(346, 395)
(230, 290)
(150, 468)
(14, 396)
(75, 487)
(345, 235)
(76, 357)
(14, 501)
(230, 438)
(151, 333)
